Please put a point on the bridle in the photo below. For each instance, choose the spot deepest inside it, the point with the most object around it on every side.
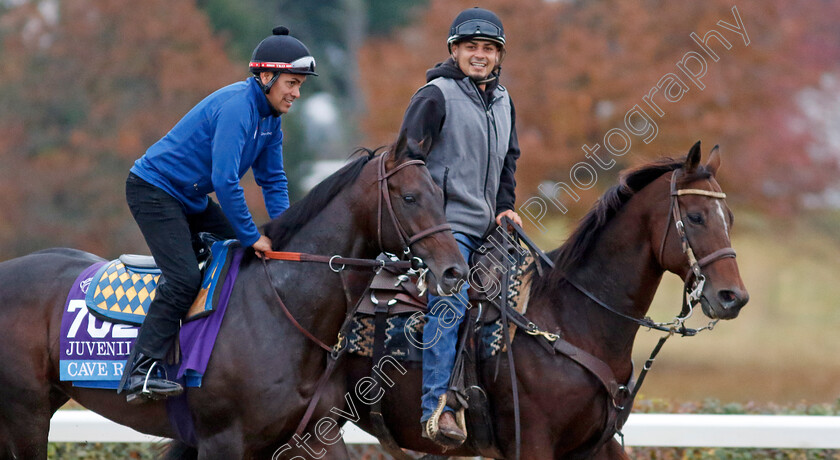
(622, 395)
(338, 263)
(694, 280)
(406, 240)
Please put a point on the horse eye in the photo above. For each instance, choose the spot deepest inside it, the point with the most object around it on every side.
(409, 199)
(695, 218)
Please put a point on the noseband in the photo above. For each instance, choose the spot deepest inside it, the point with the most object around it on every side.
(406, 240)
(621, 396)
(694, 280)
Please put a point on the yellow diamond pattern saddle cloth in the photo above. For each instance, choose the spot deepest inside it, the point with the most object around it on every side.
(121, 292)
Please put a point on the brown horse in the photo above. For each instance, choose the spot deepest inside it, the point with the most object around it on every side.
(618, 254)
(263, 370)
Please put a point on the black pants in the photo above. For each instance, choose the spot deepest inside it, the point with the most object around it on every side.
(168, 231)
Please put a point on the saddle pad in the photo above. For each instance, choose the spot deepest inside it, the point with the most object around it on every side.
(404, 333)
(93, 351)
(122, 294)
(403, 336)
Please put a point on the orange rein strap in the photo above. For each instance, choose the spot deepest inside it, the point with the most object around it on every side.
(336, 262)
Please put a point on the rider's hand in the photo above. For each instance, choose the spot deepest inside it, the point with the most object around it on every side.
(262, 245)
(511, 215)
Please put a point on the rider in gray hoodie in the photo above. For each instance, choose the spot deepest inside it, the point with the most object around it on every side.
(469, 119)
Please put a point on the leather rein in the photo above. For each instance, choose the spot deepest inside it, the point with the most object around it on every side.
(622, 395)
(338, 263)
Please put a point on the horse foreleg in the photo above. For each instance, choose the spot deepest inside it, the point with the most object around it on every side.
(308, 447)
(25, 414)
(225, 445)
(337, 451)
(23, 434)
(612, 450)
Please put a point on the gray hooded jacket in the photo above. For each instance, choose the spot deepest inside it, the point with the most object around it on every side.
(474, 147)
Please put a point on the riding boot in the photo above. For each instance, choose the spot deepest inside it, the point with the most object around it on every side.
(445, 428)
(145, 378)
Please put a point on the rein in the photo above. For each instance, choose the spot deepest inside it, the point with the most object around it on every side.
(338, 263)
(694, 280)
(622, 396)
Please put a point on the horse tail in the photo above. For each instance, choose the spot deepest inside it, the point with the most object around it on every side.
(177, 450)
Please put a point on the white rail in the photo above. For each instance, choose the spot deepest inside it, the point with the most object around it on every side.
(680, 430)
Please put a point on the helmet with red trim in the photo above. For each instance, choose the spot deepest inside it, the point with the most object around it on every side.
(281, 53)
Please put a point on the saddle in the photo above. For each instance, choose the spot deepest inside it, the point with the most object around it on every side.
(122, 290)
(392, 310)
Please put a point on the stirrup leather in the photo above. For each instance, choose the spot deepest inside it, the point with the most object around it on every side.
(432, 428)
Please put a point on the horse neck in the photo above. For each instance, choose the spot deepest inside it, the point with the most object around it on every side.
(621, 271)
(311, 291)
(346, 226)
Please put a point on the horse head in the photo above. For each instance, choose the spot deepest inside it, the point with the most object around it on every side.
(694, 241)
(417, 225)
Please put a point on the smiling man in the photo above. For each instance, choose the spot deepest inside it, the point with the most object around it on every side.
(470, 121)
(235, 129)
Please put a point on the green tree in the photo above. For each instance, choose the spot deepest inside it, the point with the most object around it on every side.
(334, 31)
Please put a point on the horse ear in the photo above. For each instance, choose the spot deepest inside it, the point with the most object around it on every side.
(693, 158)
(714, 160)
(425, 146)
(400, 145)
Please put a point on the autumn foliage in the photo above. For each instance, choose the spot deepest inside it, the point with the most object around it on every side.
(85, 87)
(575, 70)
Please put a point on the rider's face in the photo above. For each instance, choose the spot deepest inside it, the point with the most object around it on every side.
(476, 58)
(284, 91)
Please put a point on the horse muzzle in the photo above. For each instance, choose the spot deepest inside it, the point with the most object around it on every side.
(450, 280)
(723, 303)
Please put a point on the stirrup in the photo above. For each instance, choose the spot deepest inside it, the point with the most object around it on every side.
(145, 394)
(432, 427)
(145, 391)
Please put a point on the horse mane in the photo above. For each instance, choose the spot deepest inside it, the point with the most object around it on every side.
(281, 229)
(591, 226)
(284, 227)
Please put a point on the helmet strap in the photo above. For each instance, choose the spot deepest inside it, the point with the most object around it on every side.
(267, 87)
(493, 76)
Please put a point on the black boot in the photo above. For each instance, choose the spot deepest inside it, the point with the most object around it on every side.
(145, 378)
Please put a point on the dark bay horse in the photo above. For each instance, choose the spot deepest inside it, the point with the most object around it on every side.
(618, 253)
(263, 370)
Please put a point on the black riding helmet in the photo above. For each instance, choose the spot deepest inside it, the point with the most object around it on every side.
(476, 23)
(281, 53)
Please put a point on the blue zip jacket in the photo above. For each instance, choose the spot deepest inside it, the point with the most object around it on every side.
(213, 146)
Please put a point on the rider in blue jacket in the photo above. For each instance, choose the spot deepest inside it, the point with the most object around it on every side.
(232, 130)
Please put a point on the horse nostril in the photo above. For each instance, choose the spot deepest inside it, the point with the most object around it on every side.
(453, 274)
(731, 299)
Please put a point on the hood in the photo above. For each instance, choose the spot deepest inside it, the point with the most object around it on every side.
(449, 69)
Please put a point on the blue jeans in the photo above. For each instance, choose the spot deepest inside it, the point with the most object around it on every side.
(440, 336)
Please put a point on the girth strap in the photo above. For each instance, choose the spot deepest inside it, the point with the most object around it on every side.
(377, 419)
